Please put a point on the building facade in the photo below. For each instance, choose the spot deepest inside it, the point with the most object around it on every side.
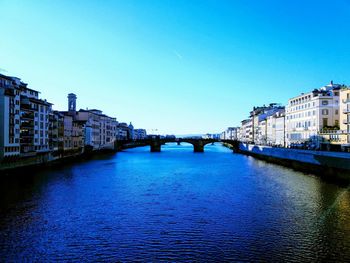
(312, 115)
(140, 134)
(24, 119)
(344, 119)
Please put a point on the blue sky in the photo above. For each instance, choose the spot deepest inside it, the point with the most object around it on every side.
(181, 66)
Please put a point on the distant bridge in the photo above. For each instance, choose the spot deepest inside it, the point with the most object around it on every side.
(156, 143)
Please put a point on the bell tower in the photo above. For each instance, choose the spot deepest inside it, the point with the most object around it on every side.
(72, 102)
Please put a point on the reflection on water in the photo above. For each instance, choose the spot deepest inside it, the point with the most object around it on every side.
(173, 205)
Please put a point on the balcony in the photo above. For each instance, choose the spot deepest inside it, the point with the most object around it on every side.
(346, 111)
(27, 134)
(29, 150)
(346, 122)
(27, 124)
(346, 101)
(27, 142)
(332, 131)
(27, 116)
(9, 92)
(29, 107)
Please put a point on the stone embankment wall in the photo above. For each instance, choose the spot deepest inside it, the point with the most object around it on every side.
(54, 158)
(335, 165)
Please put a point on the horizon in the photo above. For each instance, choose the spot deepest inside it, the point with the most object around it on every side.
(189, 67)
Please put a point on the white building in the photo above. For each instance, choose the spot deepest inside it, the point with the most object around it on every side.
(246, 131)
(310, 114)
(231, 133)
(259, 117)
(344, 118)
(275, 130)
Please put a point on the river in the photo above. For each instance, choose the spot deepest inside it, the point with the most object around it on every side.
(172, 206)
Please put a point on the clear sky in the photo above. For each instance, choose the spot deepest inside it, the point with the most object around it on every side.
(181, 66)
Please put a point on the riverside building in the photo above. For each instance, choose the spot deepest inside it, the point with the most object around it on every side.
(88, 128)
(140, 134)
(310, 115)
(231, 133)
(24, 119)
(259, 126)
(344, 119)
(259, 117)
(246, 131)
(275, 129)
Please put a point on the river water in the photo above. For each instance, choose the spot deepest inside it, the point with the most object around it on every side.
(172, 206)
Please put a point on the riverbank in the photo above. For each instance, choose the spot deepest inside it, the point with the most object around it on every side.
(54, 159)
(34, 163)
(333, 166)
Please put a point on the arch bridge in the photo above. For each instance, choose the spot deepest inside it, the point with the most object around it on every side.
(156, 143)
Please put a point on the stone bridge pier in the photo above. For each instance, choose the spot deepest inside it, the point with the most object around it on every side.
(155, 145)
(198, 146)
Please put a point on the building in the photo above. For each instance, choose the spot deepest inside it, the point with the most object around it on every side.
(9, 117)
(246, 131)
(344, 118)
(231, 133)
(131, 135)
(122, 131)
(214, 136)
(56, 132)
(88, 128)
(275, 128)
(24, 119)
(259, 121)
(310, 116)
(140, 134)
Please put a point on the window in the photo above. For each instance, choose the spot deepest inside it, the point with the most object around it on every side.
(336, 112)
(325, 102)
(325, 122)
(325, 112)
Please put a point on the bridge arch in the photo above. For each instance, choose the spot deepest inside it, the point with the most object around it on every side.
(234, 144)
(198, 144)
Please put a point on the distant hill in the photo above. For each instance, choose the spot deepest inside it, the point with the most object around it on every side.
(188, 135)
